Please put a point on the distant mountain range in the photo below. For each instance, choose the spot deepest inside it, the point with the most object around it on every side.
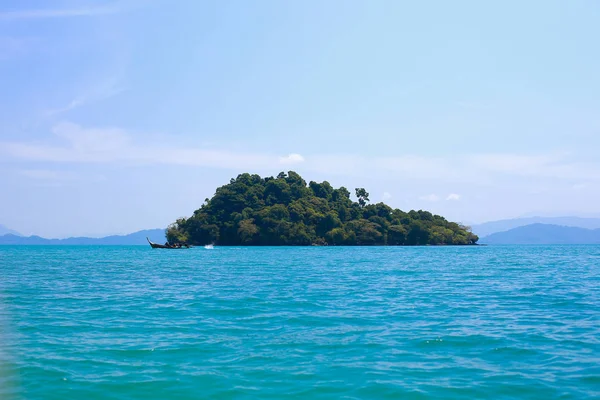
(488, 228)
(136, 238)
(544, 234)
(556, 230)
(5, 231)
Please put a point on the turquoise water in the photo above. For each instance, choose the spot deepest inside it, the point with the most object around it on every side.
(354, 323)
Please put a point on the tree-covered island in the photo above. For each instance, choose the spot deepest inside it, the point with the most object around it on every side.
(284, 211)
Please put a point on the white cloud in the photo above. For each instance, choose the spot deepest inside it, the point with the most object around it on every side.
(292, 158)
(386, 196)
(430, 197)
(453, 197)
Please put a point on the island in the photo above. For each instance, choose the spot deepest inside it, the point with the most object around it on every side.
(285, 211)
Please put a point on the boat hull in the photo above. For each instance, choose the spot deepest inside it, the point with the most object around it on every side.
(162, 246)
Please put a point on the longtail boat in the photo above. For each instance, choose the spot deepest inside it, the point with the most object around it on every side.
(166, 246)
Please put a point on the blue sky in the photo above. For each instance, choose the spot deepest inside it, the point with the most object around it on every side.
(124, 115)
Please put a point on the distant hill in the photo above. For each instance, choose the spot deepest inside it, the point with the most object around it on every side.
(5, 231)
(544, 234)
(136, 238)
(489, 228)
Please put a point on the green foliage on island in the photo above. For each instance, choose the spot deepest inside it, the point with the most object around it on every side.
(281, 211)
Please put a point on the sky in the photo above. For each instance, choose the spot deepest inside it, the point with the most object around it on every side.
(117, 116)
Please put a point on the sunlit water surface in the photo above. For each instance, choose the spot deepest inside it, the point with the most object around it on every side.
(354, 323)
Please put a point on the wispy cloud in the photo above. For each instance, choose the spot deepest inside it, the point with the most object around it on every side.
(291, 159)
(57, 13)
(430, 197)
(557, 166)
(47, 175)
(57, 178)
(105, 90)
(386, 196)
(76, 144)
(73, 104)
(473, 105)
(14, 46)
(113, 145)
(453, 197)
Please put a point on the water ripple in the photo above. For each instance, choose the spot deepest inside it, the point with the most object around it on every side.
(352, 323)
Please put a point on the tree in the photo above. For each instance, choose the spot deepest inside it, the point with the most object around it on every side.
(175, 233)
(248, 232)
(363, 196)
(336, 236)
(396, 235)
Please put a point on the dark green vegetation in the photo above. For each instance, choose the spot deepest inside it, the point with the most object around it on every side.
(251, 210)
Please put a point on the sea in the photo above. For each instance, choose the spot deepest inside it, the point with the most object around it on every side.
(475, 322)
